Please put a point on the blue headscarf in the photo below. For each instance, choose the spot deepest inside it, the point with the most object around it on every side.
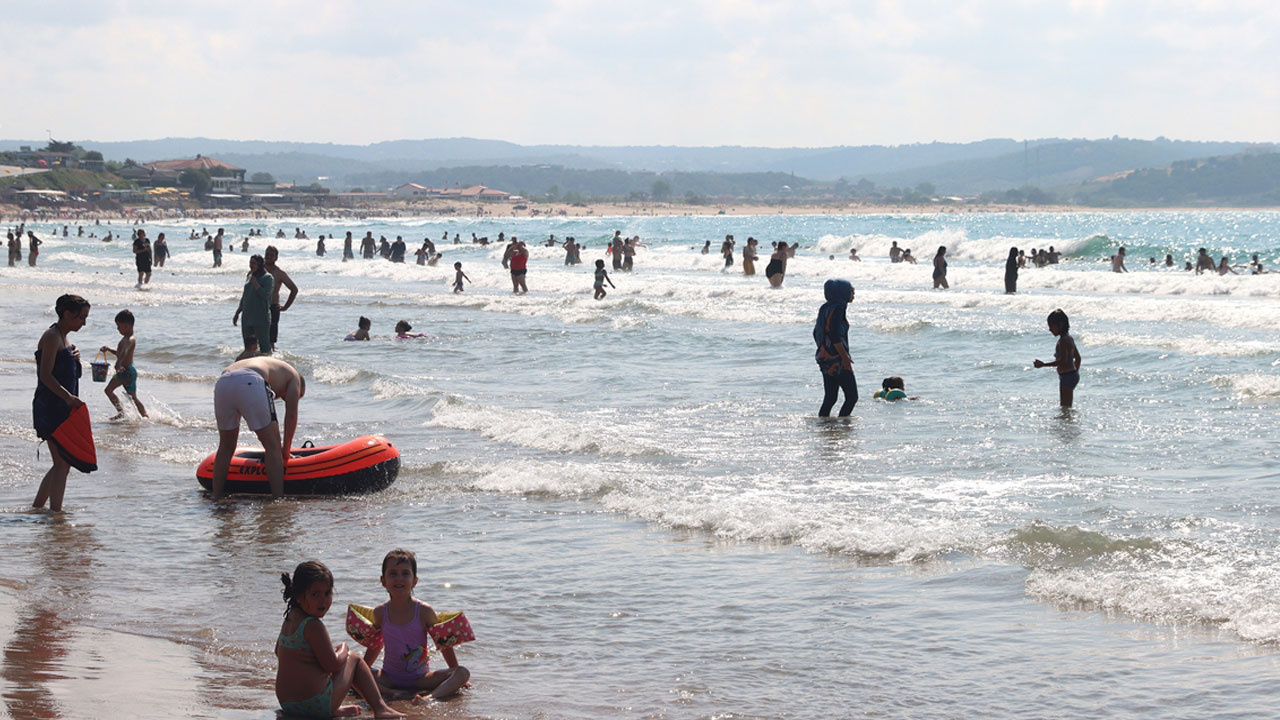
(832, 326)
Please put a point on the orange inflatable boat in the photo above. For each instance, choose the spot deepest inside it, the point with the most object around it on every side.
(366, 464)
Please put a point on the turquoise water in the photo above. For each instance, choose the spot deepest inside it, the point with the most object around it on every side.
(634, 500)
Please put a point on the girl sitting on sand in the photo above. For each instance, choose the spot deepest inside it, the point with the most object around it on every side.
(313, 676)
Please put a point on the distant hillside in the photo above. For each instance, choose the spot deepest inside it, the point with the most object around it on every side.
(1053, 165)
(1243, 180)
(540, 180)
(67, 179)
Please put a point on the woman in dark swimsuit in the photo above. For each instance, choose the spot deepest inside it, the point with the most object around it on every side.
(58, 370)
(1011, 272)
(776, 270)
(940, 269)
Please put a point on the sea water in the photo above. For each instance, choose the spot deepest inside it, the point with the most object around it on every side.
(634, 500)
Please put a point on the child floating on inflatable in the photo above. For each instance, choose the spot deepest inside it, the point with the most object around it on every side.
(892, 388)
(403, 621)
(313, 677)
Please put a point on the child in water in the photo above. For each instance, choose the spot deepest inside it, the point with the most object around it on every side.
(362, 331)
(1066, 358)
(313, 677)
(404, 620)
(459, 277)
(602, 277)
(402, 331)
(126, 375)
(892, 388)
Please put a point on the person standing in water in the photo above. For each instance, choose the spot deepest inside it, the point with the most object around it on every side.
(1011, 272)
(142, 257)
(1117, 262)
(160, 250)
(1066, 357)
(940, 269)
(776, 270)
(347, 252)
(217, 249)
(279, 278)
(58, 373)
(726, 250)
(831, 333)
(749, 256)
(255, 304)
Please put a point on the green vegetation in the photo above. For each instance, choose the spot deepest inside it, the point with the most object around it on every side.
(1250, 179)
(68, 180)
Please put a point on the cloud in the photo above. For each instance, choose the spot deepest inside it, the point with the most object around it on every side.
(822, 72)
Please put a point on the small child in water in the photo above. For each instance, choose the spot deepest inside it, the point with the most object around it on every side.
(313, 677)
(892, 388)
(362, 331)
(403, 329)
(602, 277)
(404, 620)
(459, 277)
(1066, 358)
(126, 374)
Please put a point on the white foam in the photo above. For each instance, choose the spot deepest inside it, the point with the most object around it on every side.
(1250, 385)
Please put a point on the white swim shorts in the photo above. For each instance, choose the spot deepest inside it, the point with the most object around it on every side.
(243, 393)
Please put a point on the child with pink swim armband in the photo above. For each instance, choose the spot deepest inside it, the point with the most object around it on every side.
(403, 621)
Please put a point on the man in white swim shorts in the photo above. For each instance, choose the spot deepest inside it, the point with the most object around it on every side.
(247, 389)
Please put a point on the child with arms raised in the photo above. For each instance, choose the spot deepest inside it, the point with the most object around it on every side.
(404, 621)
(313, 677)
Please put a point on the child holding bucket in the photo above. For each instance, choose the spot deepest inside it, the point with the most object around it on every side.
(126, 374)
(403, 621)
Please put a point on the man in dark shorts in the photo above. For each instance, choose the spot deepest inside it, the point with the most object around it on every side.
(142, 257)
(281, 278)
(217, 249)
(519, 267)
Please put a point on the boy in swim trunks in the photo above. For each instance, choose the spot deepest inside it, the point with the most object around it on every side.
(126, 374)
(247, 389)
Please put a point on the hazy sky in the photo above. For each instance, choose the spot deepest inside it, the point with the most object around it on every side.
(618, 72)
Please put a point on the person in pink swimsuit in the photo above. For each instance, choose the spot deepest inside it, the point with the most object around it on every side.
(404, 620)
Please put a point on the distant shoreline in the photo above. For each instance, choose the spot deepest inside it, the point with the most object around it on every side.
(455, 209)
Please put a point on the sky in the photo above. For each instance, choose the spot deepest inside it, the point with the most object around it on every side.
(691, 72)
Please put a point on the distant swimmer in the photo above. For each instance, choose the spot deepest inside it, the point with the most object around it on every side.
(247, 389)
(706, 248)
(892, 388)
(907, 257)
(362, 329)
(1117, 262)
(895, 253)
(404, 331)
(519, 268)
(217, 249)
(749, 257)
(1066, 357)
(602, 277)
(1011, 272)
(1168, 260)
(940, 269)
(142, 257)
(320, 246)
(726, 251)
(853, 255)
(776, 270)
(160, 251)
(368, 246)
(831, 333)
(458, 277)
(615, 249)
(1224, 267)
(1255, 267)
(33, 248)
(347, 252)
(1204, 262)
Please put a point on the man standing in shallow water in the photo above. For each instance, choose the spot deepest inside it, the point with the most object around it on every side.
(279, 277)
(247, 389)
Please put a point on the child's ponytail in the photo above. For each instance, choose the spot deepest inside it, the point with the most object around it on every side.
(304, 576)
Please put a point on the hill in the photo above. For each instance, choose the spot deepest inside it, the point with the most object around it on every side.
(1242, 180)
